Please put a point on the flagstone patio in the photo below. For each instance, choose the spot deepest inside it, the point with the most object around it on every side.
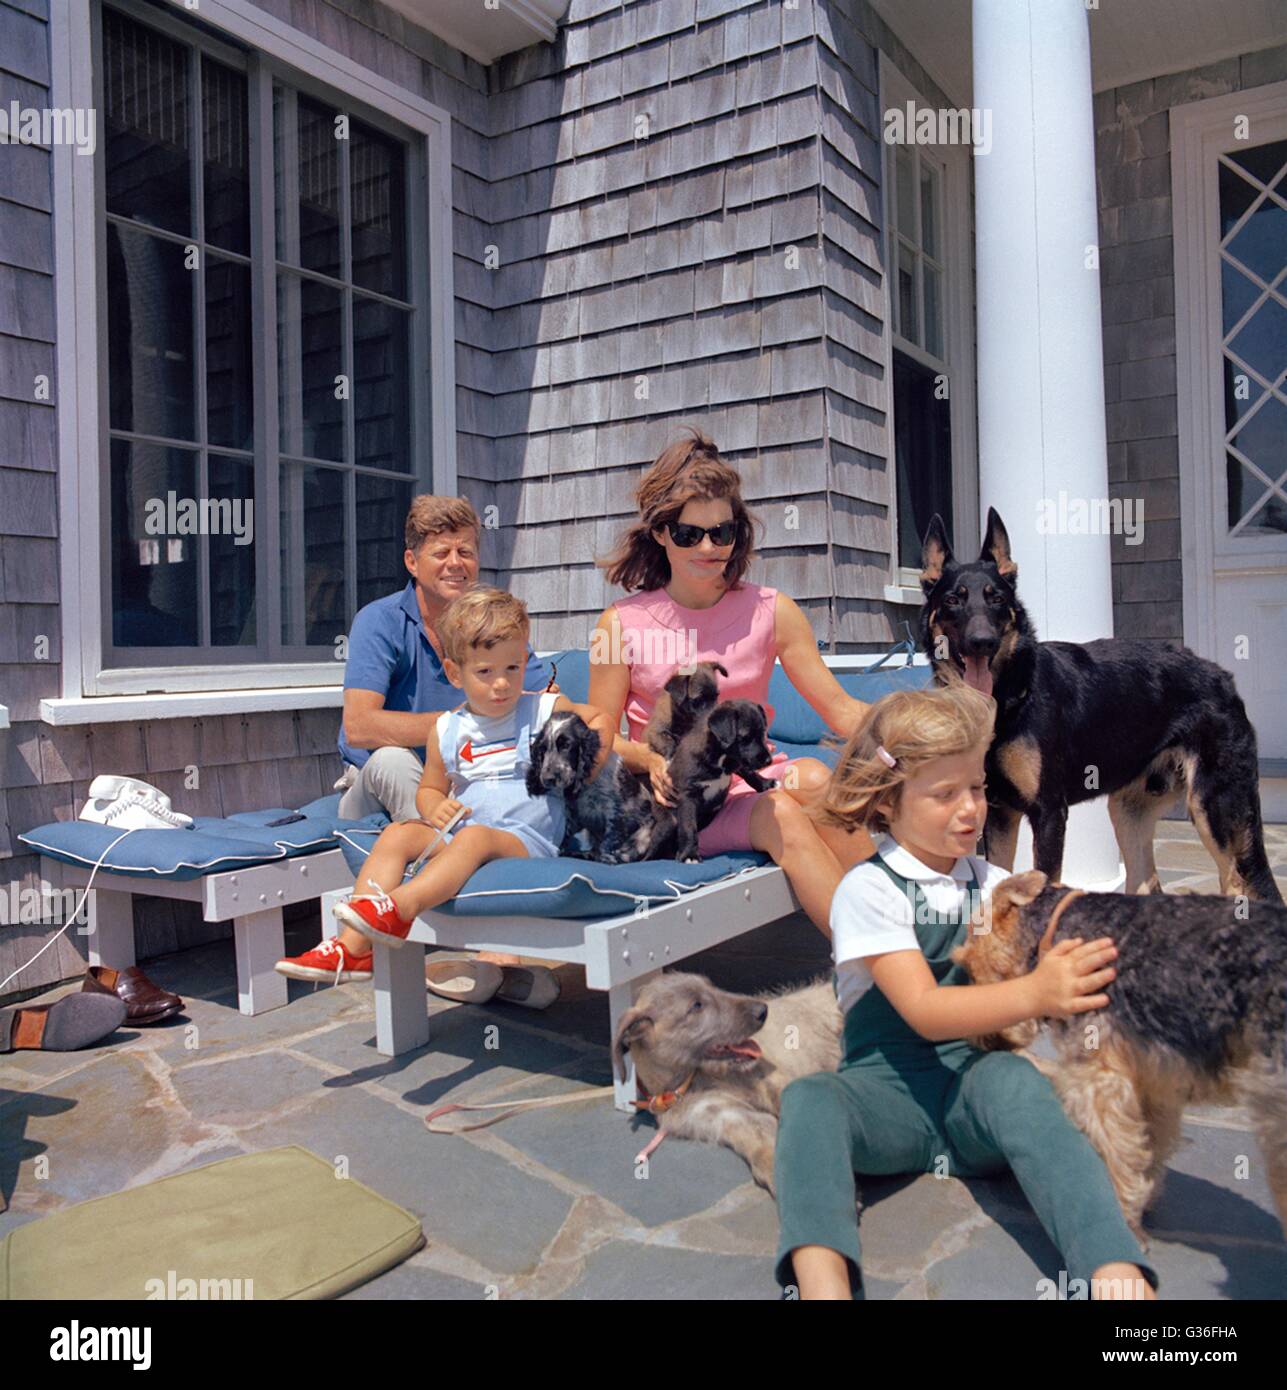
(549, 1204)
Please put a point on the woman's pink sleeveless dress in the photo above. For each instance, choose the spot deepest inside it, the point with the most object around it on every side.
(658, 634)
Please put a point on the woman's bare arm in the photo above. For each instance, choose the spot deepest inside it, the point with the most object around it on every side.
(805, 669)
(609, 690)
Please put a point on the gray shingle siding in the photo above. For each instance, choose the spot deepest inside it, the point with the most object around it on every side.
(1133, 156)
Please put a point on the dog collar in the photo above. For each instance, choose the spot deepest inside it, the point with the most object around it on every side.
(664, 1100)
(1048, 935)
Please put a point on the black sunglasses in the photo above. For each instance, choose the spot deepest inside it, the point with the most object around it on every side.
(687, 536)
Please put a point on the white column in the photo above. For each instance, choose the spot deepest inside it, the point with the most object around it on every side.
(1040, 350)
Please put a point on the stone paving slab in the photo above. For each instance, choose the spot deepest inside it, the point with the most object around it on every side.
(548, 1204)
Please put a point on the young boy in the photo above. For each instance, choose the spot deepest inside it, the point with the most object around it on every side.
(476, 758)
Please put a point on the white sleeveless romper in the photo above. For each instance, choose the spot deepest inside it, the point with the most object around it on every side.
(487, 762)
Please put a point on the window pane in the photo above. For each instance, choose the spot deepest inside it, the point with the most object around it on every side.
(308, 183)
(149, 334)
(381, 391)
(382, 505)
(309, 359)
(229, 364)
(226, 151)
(904, 183)
(154, 566)
(933, 310)
(232, 553)
(1261, 245)
(377, 188)
(908, 322)
(929, 208)
(148, 156)
(312, 555)
(923, 456)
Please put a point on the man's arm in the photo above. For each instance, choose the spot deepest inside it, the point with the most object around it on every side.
(367, 724)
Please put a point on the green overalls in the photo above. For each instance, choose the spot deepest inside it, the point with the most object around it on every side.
(902, 1104)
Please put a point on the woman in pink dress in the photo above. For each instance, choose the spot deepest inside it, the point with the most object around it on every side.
(682, 564)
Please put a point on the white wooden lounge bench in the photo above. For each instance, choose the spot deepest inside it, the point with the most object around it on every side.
(619, 953)
(251, 898)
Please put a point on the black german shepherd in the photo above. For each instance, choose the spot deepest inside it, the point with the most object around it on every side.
(1137, 721)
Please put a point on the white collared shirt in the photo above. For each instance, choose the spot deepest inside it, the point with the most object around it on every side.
(870, 916)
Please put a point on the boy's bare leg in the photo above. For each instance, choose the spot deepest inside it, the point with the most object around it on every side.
(397, 846)
(447, 872)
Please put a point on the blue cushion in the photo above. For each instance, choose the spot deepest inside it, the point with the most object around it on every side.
(213, 844)
(794, 722)
(566, 887)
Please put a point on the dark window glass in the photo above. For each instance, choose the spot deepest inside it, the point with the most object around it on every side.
(307, 158)
(148, 157)
(381, 391)
(309, 363)
(149, 334)
(923, 456)
(226, 155)
(382, 505)
(377, 197)
(314, 608)
(154, 565)
(230, 393)
(232, 553)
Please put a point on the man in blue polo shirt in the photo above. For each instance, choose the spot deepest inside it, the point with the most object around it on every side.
(394, 682)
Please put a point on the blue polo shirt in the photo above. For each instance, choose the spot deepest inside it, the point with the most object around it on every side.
(390, 653)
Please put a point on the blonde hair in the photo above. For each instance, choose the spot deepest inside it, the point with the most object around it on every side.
(688, 470)
(481, 617)
(915, 727)
(431, 515)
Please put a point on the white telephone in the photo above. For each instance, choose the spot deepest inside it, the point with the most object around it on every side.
(132, 805)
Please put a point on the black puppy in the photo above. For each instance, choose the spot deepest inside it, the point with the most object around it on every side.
(616, 809)
(1153, 722)
(682, 702)
(730, 739)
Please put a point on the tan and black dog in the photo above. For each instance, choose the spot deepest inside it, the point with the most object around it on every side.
(1155, 722)
(1196, 1014)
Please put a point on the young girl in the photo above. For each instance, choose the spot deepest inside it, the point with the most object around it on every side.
(476, 759)
(911, 1095)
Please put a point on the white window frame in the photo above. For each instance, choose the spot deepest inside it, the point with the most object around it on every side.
(1200, 132)
(82, 405)
(957, 254)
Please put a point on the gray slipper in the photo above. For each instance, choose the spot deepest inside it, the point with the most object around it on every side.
(74, 1021)
(534, 987)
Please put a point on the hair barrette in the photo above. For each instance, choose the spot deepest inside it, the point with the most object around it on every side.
(886, 756)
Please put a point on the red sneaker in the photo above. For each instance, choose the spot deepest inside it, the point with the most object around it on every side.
(332, 960)
(374, 915)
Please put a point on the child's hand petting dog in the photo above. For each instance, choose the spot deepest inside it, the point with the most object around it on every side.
(1069, 977)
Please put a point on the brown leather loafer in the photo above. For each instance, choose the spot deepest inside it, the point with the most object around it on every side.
(144, 1001)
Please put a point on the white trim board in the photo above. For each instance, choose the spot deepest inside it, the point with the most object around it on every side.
(191, 704)
(81, 405)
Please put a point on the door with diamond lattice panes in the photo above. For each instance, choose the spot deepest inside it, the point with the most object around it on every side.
(1231, 330)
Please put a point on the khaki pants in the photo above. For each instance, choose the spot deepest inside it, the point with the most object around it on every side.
(388, 782)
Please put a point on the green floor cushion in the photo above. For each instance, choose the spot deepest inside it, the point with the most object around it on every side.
(244, 1227)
